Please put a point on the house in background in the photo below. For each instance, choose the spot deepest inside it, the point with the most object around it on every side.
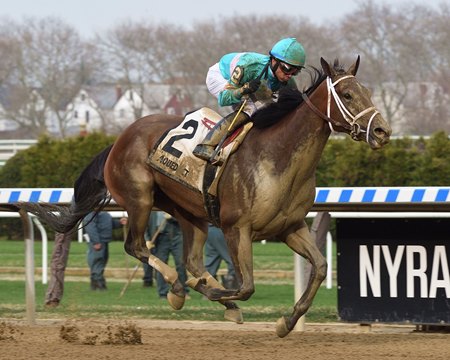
(103, 108)
(108, 108)
(83, 114)
(23, 112)
(129, 107)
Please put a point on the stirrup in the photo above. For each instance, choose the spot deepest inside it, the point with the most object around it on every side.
(205, 152)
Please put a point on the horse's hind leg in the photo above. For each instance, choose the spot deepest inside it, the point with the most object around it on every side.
(135, 245)
(131, 183)
(138, 217)
(302, 243)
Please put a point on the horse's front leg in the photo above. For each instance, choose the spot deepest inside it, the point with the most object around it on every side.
(240, 248)
(203, 282)
(303, 244)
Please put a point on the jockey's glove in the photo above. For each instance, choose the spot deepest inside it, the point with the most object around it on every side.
(250, 87)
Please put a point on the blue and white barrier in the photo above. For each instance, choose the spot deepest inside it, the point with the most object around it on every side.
(47, 195)
(363, 196)
(389, 195)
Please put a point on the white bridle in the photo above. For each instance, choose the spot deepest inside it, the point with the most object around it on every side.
(346, 114)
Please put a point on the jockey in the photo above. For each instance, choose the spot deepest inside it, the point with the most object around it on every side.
(238, 75)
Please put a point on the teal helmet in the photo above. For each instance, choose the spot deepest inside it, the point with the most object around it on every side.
(289, 51)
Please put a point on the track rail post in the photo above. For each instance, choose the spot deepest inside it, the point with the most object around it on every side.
(30, 294)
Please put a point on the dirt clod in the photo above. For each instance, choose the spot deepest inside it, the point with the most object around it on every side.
(8, 332)
(120, 334)
(69, 333)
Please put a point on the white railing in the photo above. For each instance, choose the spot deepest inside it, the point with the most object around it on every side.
(9, 148)
(44, 237)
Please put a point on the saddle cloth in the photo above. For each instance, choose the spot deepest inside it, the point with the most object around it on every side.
(172, 155)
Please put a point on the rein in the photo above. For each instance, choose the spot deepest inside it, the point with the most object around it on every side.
(351, 120)
(322, 115)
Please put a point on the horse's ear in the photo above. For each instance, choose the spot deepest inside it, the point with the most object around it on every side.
(329, 71)
(354, 68)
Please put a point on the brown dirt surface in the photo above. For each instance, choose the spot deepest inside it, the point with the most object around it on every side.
(111, 339)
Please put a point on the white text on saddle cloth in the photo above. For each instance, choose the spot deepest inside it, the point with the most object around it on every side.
(173, 156)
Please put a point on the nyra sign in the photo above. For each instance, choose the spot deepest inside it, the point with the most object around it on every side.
(394, 270)
(415, 258)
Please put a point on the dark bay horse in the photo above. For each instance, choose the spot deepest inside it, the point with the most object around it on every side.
(266, 190)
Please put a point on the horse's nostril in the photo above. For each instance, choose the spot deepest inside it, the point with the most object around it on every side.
(381, 133)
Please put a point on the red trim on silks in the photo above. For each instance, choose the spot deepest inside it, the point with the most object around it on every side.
(233, 136)
(208, 123)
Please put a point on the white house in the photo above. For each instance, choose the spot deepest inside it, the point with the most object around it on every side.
(129, 107)
(83, 114)
(107, 108)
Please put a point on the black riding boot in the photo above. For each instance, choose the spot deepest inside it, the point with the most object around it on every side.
(205, 149)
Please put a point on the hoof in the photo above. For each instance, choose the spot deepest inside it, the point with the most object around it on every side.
(175, 301)
(282, 328)
(234, 315)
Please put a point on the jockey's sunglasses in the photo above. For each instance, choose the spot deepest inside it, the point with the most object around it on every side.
(289, 69)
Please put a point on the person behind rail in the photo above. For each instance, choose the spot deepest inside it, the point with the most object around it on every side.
(216, 250)
(149, 235)
(98, 228)
(169, 241)
(60, 255)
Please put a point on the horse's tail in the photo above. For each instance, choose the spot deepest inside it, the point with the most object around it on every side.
(90, 194)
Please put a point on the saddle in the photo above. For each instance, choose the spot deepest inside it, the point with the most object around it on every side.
(172, 156)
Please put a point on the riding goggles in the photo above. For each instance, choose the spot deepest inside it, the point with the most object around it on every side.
(290, 69)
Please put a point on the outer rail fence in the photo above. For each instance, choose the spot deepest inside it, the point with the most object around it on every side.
(338, 200)
(9, 148)
(409, 199)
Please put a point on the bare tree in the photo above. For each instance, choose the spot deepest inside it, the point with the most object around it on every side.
(423, 54)
(208, 41)
(368, 32)
(45, 63)
(396, 46)
(438, 63)
(259, 34)
(428, 109)
(138, 54)
(50, 66)
(20, 98)
(9, 49)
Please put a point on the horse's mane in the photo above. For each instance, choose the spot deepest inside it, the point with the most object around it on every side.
(289, 99)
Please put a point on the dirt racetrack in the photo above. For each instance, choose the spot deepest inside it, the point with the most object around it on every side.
(150, 339)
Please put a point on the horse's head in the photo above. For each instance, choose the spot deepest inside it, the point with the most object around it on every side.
(358, 115)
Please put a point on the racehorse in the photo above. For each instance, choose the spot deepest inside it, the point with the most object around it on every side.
(265, 191)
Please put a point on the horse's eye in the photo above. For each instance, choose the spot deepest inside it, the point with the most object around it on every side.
(347, 96)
